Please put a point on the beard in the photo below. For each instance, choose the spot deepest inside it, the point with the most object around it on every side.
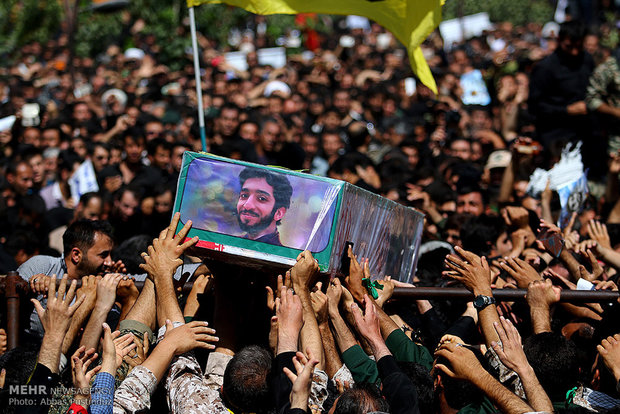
(254, 228)
(87, 268)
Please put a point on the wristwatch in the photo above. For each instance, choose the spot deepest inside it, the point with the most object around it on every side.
(481, 301)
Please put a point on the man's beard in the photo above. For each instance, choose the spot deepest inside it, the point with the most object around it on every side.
(86, 268)
(254, 228)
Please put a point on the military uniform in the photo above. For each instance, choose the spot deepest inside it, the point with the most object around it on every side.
(604, 87)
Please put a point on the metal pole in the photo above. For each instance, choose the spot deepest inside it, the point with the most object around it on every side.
(13, 284)
(201, 112)
(573, 296)
(507, 295)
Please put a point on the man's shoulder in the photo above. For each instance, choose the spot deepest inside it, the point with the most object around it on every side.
(40, 264)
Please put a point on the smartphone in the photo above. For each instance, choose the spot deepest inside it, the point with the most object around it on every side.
(553, 242)
(345, 261)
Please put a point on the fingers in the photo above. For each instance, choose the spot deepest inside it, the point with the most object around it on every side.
(183, 232)
(357, 314)
(77, 304)
(289, 374)
(51, 292)
(445, 370)
(63, 287)
(78, 351)
(145, 343)
(188, 243)
(71, 292)
(287, 279)
(38, 308)
(369, 307)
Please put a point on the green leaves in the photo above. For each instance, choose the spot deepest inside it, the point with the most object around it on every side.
(517, 12)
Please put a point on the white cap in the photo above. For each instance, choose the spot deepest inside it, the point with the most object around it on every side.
(134, 53)
(278, 86)
(498, 159)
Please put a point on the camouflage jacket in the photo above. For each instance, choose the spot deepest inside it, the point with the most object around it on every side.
(604, 86)
(188, 391)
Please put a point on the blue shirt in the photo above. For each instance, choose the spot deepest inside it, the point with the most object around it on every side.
(102, 394)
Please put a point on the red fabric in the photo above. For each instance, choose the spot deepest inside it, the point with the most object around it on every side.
(77, 409)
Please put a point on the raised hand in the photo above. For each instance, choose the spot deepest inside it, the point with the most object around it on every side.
(367, 324)
(597, 270)
(542, 294)
(471, 270)
(319, 304)
(520, 271)
(334, 293)
(138, 355)
(57, 316)
(304, 270)
(598, 232)
(114, 349)
(463, 363)
(271, 295)
(106, 291)
(190, 336)
(354, 279)
(302, 379)
(163, 256)
(386, 293)
(200, 285)
(118, 267)
(289, 312)
(80, 361)
(609, 350)
(510, 352)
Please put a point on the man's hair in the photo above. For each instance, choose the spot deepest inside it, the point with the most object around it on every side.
(360, 399)
(86, 197)
(479, 234)
(152, 146)
(137, 192)
(229, 106)
(246, 387)
(573, 30)
(104, 145)
(81, 234)
(129, 252)
(31, 152)
(555, 362)
(422, 382)
(266, 121)
(282, 190)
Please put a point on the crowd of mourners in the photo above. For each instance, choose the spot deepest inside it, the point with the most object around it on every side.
(110, 327)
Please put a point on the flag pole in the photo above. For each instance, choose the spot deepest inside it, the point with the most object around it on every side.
(201, 112)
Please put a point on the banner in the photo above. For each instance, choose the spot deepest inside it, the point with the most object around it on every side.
(410, 21)
(83, 181)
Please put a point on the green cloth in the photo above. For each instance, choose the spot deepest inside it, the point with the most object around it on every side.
(485, 407)
(404, 349)
(363, 369)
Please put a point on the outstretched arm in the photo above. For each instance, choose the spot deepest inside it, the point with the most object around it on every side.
(302, 274)
(475, 274)
(161, 260)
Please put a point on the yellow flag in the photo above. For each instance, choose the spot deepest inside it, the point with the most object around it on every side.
(411, 21)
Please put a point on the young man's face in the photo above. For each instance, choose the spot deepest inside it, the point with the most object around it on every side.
(255, 207)
(471, 203)
(97, 259)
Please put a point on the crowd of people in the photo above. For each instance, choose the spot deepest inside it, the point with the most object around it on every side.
(117, 333)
